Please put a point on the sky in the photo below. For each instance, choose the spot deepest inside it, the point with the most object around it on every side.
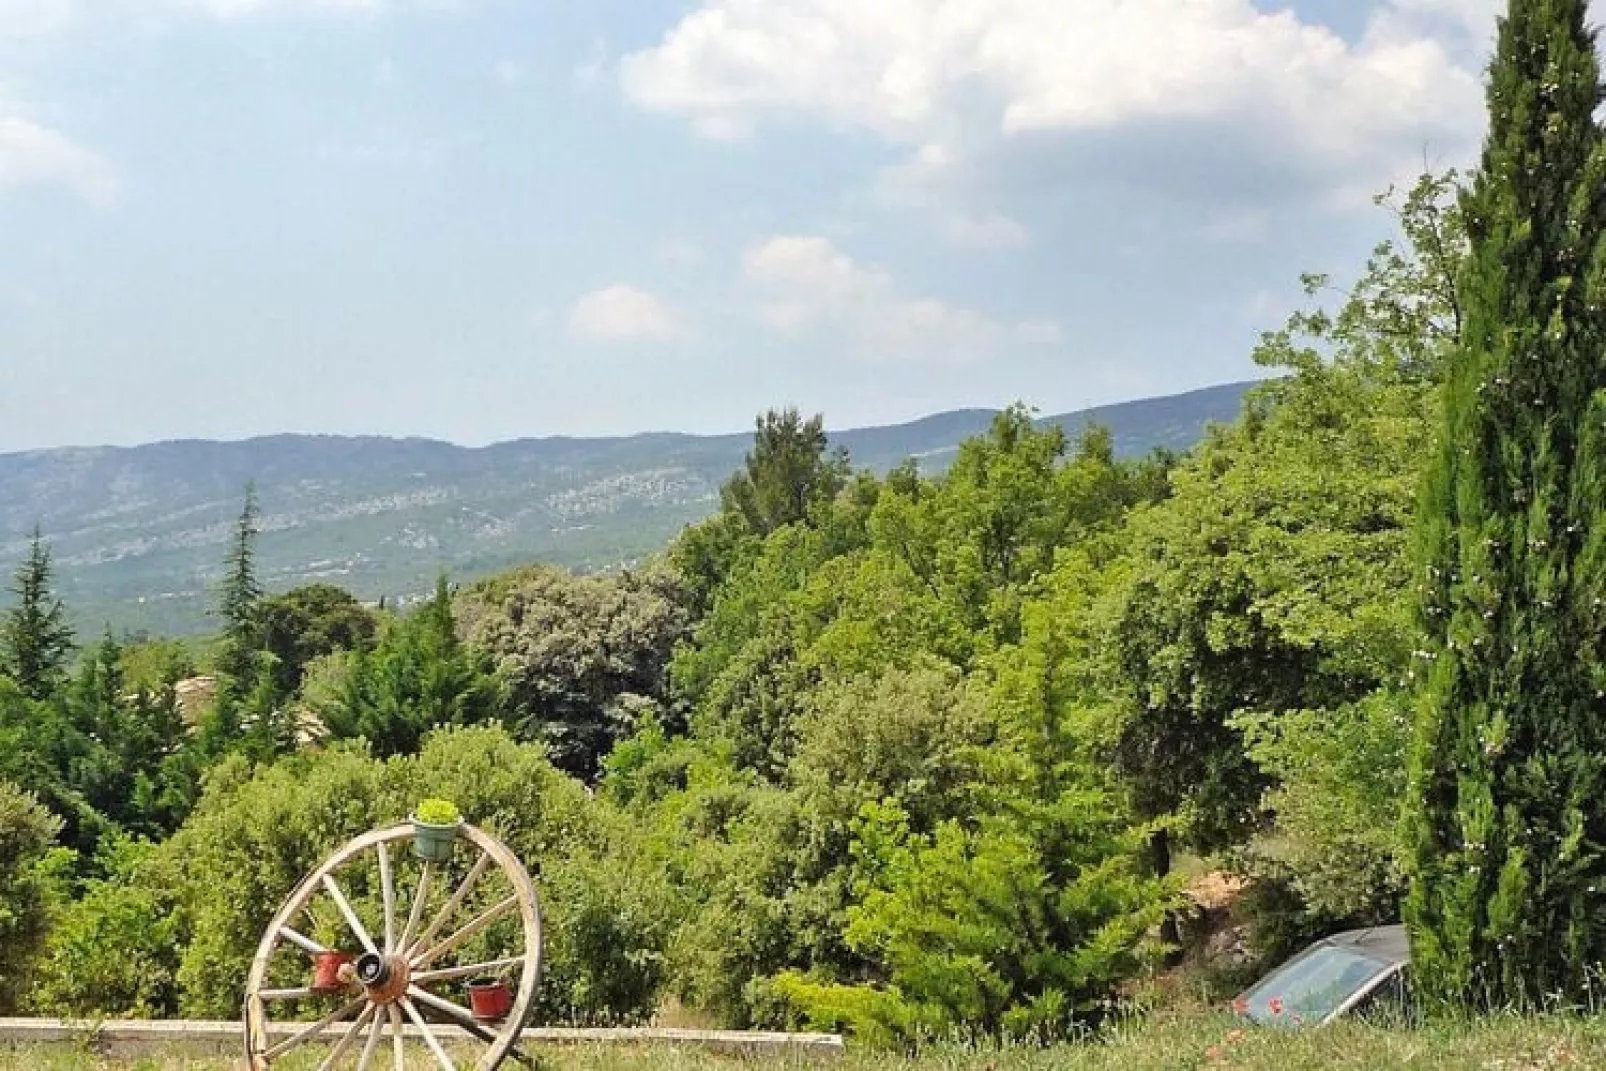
(479, 220)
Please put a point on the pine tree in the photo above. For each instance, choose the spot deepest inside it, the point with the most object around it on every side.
(1506, 821)
(35, 639)
(787, 473)
(240, 601)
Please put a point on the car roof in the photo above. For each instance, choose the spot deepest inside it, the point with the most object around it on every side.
(1391, 944)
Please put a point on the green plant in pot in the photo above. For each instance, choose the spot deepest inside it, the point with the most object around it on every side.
(435, 826)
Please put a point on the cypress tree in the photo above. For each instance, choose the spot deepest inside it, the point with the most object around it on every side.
(1506, 818)
(241, 600)
(35, 639)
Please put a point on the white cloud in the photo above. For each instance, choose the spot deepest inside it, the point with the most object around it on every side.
(33, 155)
(818, 276)
(623, 313)
(945, 77)
(807, 283)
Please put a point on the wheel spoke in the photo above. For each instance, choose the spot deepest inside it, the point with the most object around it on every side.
(417, 911)
(344, 905)
(448, 973)
(346, 1041)
(455, 1010)
(314, 1030)
(375, 1032)
(484, 920)
(387, 885)
(481, 865)
(306, 944)
(398, 1038)
(429, 1035)
(465, 1019)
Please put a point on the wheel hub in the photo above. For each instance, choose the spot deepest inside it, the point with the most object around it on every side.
(385, 977)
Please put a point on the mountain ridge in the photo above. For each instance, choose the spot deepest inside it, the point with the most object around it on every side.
(138, 531)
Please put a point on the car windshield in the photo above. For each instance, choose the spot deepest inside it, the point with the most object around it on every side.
(1307, 989)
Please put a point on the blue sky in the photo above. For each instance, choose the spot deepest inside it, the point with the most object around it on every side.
(485, 219)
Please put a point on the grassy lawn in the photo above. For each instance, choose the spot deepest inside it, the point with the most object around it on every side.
(1497, 1044)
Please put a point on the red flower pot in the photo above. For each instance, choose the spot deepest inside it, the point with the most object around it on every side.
(326, 971)
(490, 1000)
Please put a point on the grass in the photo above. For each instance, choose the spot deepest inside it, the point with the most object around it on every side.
(1500, 1043)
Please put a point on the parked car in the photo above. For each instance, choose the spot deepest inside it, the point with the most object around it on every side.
(1346, 974)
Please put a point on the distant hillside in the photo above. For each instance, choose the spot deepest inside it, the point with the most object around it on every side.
(138, 532)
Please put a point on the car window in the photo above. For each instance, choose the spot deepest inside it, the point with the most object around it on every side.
(1389, 1004)
(1310, 987)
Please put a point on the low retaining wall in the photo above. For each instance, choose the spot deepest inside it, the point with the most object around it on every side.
(138, 1035)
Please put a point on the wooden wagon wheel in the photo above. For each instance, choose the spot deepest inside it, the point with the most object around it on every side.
(400, 959)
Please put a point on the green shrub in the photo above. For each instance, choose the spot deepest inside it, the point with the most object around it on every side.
(27, 832)
(115, 949)
(1020, 928)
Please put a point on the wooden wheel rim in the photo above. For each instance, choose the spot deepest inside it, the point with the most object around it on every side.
(257, 1043)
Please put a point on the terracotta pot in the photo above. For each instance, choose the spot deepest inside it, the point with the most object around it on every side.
(490, 1000)
(326, 971)
(434, 842)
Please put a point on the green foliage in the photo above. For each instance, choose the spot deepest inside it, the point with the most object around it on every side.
(113, 948)
(437, 812)
(35, 639)
(912, 736)
(308, 622)
(1339, 774)
(153, 664)
(1403, 316)
(612, 915)
(27, 832)
(99, 757)
(418, 676)
(1019, 926)
(705, 554)
(1232, 603)
(135, 764)
(787, 474)
(1508, 766)
(1269, 595)
(240, 598)
(872, 658)
(583, 659)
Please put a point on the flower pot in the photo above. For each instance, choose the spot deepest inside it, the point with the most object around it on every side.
(490, 1000)
(326, 971)
(434, 843)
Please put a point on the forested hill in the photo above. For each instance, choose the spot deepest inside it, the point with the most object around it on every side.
(138, 533)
